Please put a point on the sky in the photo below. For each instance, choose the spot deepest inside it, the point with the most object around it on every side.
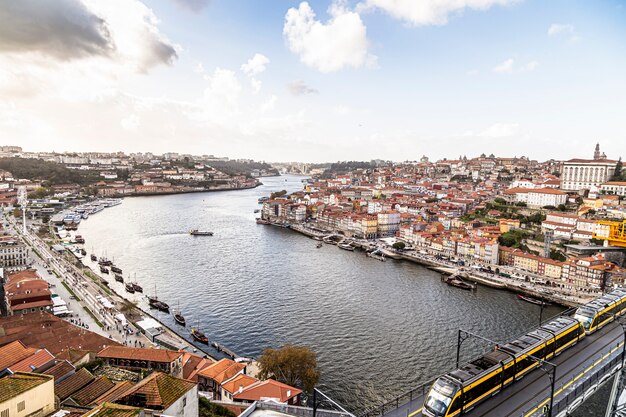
(315, 81)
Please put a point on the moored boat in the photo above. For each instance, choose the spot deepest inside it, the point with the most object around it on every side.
(199, 336)
(532, 300)
(104, 270)
(196, 232)
(346, 246)
(130, 287)
(94, 257)
(116, 269)
(119, 278)
(137, 287)
(261, 221)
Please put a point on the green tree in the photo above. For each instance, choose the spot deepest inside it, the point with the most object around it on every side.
(562, 207)
(521, 204)
(499, 200)
(292, 365)
(399, 245)
(208, 409)
(618, 175)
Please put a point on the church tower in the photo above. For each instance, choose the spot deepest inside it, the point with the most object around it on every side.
(596, 154)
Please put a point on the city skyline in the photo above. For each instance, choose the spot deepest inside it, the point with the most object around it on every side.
(263, 81)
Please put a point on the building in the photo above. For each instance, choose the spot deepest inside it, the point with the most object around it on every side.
(164, 393)
(614, 188)
(26, 394)
(13, 253)
(388, 222)
(269, 390)
(536, 198)
(583, 174)
(138, 358)
(25, 292)
(211, 378)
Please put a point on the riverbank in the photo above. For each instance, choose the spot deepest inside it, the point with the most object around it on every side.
(549, 294)
(174, 192)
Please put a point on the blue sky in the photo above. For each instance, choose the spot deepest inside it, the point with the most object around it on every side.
(391, 79)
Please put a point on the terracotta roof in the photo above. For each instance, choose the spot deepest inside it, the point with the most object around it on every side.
(19, 383)
(129, 353)
(113, 394)
(222, 370)
(44, 330)
(239, 382)
(60, 370)
(113, 410)
(92, 391)
(73, 383)
(157, 391)
(587, 161)
(37, 360)
(266, 390)
(14, 352)
(192, 364)
(32, 304)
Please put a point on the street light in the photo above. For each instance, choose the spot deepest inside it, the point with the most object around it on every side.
(551, 375)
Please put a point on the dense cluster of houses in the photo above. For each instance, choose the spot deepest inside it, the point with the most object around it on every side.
(458, 209)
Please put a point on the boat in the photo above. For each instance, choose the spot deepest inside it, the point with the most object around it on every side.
(153, 302)
(94, 258)
(346, 246)
(137, 287)
(316, 238)
(130, 287)
(261, 221)
(178, 316)
(79, 239)
(319, 245)
(261, 200)
(119, 278)
(532, 300)
(196, 232)
(377, 255)
(116, 269)
(457, 281)
(104, 262)
(83, 252)
(104, 282)
(257, 210)
(104, 270)
(199, 336)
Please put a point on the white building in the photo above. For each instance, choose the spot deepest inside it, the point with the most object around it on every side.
(13, 253)
(583, 174)
(540, 197)
(614, 188)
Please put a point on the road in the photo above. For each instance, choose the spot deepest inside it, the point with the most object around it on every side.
(529, 395)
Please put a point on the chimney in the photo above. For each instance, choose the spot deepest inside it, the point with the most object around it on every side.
(288, 393)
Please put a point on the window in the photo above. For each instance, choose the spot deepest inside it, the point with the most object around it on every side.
(4, 413)
(21, 406)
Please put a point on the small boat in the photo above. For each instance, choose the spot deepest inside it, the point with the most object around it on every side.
(532, 300)
(319, 245)
(196, 232)
(261, 221)
(104, 282)
(130, 287)
(257, 210)
(137, 287)
(105, 262)
(104, 270)
(456, 281)
(116, 269)
(199, 336)
(79, 239)
(154, 302)
(119, 278)
(346, 246)
(94, 258)
(83, 252)
(178, 316)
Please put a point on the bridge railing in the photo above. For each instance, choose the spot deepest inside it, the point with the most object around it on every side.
(579, 387)
(400, 400)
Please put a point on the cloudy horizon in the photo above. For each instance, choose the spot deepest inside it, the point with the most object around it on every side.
(315, 81)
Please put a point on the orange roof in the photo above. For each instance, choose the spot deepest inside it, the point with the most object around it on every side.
(222, 370)
(140, 354)
(239, 383)
(35, 361)
(14, 352)
(268, 389)
(157, 391)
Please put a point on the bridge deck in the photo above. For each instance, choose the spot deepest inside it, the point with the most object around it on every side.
(528, 395)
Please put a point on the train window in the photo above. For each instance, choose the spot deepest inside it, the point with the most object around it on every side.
(456, 404)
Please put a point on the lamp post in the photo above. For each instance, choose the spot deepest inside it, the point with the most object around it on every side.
(543, 364)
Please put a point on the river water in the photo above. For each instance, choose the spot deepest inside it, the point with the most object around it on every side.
(378, 328)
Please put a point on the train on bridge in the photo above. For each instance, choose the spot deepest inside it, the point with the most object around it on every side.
(459, 391)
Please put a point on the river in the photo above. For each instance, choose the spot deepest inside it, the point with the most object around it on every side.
(378, 328)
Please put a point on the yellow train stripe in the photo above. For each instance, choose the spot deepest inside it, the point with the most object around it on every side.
(590, 367)
(415, 412)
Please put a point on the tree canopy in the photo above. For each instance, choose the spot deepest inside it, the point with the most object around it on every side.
(48, 172)
(292, 365)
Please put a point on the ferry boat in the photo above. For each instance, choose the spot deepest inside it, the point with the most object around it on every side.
(346, 246)
(532, 300)
(199, 336)
(130, 287)
(116, 269)
(196, 232)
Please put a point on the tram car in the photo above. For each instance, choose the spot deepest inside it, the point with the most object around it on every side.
(459, 391)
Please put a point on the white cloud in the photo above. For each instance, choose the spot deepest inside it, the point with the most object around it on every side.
(558, 29)
(339, 43)
(509, 66)
(255, 84)
(505, 67)
(429, 12)
(299, 88)
(269, 104)
(198, 68)
(255, 65)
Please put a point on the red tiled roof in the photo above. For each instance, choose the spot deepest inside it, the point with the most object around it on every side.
(30, 364)
(140, 354)
(222, 370)
(92, 391)
(268, 389)
(157, 391)
(14, 352)
(73, 383)
(240, 382)
(60, 370)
